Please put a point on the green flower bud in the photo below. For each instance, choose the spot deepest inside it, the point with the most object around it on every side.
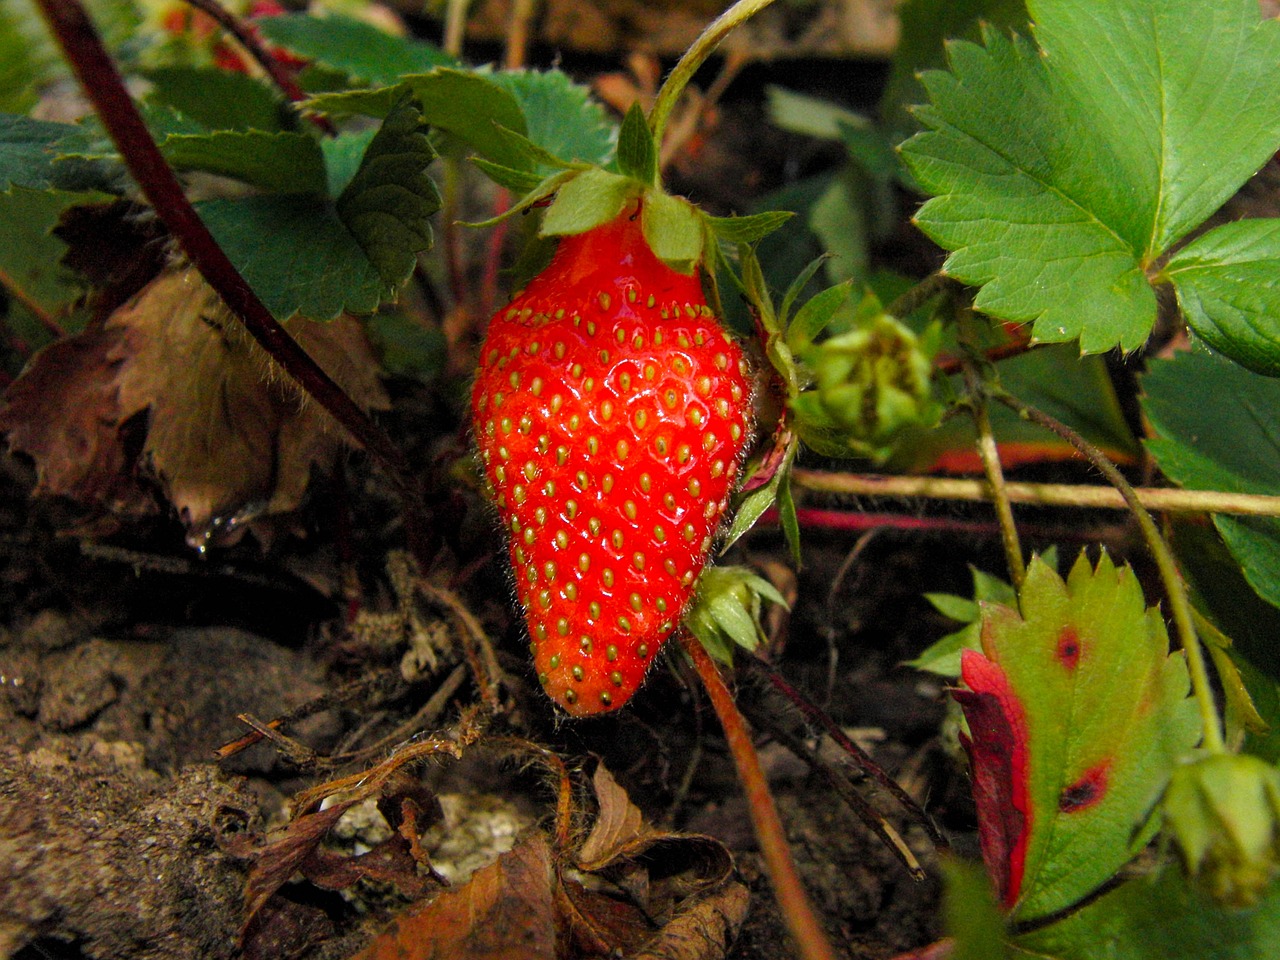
(1223, 812)
(867, 385)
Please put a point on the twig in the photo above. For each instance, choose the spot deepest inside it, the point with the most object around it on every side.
(455, 26)
(1083, 496)
(797, 912)
(105, 89)
(280, 75)
(1174, 586)
(518, 34)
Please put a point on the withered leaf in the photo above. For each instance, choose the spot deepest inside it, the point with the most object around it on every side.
(618, 825)
(703, 930)
(504, 912)
(64, 412)
(230, 437)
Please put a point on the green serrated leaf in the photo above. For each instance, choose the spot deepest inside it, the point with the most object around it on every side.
(559, 115)
(797, 286)
(1217, 427)
(520, 181)
(358, 49)
(749, 229)
(277, 162)
(637, 153)
(376, 102)
(1159, 917)
(343, 155)
(1121, 149)
(534, 157)
(943, 656)
(673, 228)
(1226, 287)
(590, 199)
(296, 253)
(388, 203)
(956, 608)
(26, 157)
(217, 99)
(1099, 715)
(545, 188)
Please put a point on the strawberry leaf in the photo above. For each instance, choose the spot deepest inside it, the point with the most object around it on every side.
(216, 99)
(1122, 147)
(1077, 715)
(1157, 918)
(1225, 284)
(559, 115)
(388, 203)
(26, 151)
(1215, 429)
(673, 228)
(358, 49)
(943, 657)
(277, 162)
(748, 229)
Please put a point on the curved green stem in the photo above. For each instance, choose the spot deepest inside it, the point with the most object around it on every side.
(1175, 588)
(694, 57)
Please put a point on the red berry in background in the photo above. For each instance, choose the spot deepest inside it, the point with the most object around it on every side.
(611, 412)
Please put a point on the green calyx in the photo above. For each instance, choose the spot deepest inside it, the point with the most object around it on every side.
(1223, 812)
(726, 611)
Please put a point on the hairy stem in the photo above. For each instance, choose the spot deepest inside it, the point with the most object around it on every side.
(1174, 586)
(694, 57)
(1083, 496)
(105, 89)
(280, 75)
(797, 912)
(916, 297)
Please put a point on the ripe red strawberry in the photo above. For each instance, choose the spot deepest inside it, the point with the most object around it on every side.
(611, 411)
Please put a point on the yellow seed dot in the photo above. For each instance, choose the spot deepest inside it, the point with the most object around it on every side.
(559, 314)
(659, 534)
(670, 398)
(497, 400)
(643, 650)
(543, 679)
(504, 453)
(584, 563)
(514, 379)
(571, 697)
(661, 445)
(540, 515)
(695, 488)
(544, 599)
(544, 444)
(696, 417)
(631, 294)
(616, 539)
(699, 339)
(556, 403)
(577, 673)
(637, 561)
(640, 419)
(549, 570)
(651, 301)
(591, 328)
(657, 338)
(689, 532)
(555, 661)
(622, 449)
(650, 371)
(571, 591)
(638, 342)
(505, 425)
(624, 381)
(636, 602)
(669, 501)
(593, 610)
(607, 578)
(624, 624)
(530, 470)
(518, 494)
(562, 539)
(575, 371)
(611, 652)
(709, 510)
(570, 509)
(500, 473)
(606, 484)
(620, 335)
(562, 627)
(646, 482)
(669, 565)
(593, 445)
(666, 626)
(541, 630)
(582, 480)
(722, 408)
(717, 468)
(593, 526)
(735, 431)
(629, 508)
(605, 698)
(679, 366)
(536, 386)
(575, 422)
(661, 604)
(606, 411)
(615, 678)
(489, 428)
(549, 488)
(529, 535)
(735, 392)
(604, 356)
(605, 300)
(562, 455)
(683, 453)
(589, 384)
(585, 643)
(558, 350)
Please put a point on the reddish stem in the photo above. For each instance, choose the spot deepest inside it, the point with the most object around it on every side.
(105, 89)
(281, 75)
(797, 912)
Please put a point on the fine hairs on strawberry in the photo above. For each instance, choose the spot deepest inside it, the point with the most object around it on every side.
(611, 412)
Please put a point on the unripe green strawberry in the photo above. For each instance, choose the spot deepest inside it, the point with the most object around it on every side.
(611, 413)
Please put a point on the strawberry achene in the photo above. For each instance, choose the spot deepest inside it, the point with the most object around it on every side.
(611, 412)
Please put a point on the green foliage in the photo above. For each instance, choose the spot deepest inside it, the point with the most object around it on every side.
(943, 657)
(216, 99)
(560, 116)
(1120, 149)
(637, 153)
(674, 229)
(1158, 918)
(26, 151)
(1106, 718)
(360, 50)
(586, 201)
(1215, 429)
(276, 162)
(725, 614)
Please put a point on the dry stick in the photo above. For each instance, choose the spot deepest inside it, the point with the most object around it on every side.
(280, 75)
(1085, 496)
(1175, 588)
(990, 456)
(105, 89)
(797, 912)
(818, 716)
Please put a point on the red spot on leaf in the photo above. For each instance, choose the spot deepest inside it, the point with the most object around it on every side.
(997, 748)
(1069, 646)
(1087, 791)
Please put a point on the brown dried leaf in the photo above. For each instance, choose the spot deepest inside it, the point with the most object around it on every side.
(596, 924)
(64, 412)
(504, 912)
(704, 930)
(229, 436)
(619, 823)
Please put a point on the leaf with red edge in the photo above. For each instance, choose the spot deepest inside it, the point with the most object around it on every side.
(1076, 714)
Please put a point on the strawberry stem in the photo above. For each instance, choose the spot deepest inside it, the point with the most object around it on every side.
(797, 912)
(694, 57)
(1174, 586)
